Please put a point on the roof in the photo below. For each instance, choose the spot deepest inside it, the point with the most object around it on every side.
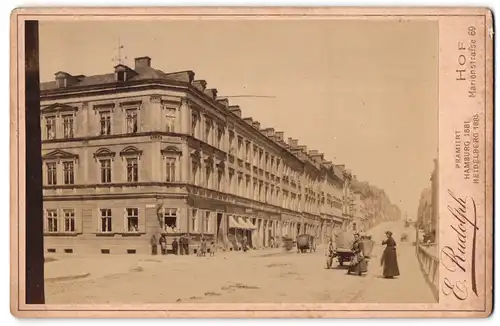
(143, 73)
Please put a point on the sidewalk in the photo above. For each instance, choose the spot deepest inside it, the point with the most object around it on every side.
(409, 287)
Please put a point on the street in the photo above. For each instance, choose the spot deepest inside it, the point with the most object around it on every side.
(262, 276)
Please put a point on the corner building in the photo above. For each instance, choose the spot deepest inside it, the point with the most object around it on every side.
(139, 152)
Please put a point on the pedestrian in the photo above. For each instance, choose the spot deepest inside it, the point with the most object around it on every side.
(186, 244)
(163, 244)
(203, 246)
(175, 246)
(212, 249)
(358, 263)
(181, 246)
(244, 243)
(154, 245)
(389, 259)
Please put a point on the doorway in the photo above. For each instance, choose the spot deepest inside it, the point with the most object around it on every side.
(219, 224)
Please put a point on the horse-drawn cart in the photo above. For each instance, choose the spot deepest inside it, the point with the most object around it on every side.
(343, 252)
(306, 242)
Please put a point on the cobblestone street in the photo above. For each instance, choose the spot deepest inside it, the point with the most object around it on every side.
(271, 275)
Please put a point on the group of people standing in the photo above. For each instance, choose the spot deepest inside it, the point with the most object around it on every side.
(179, 247)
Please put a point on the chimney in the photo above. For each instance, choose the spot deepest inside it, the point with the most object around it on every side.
(313, 152)
(279, 135)
(142, 62)
(211, 92)
(303, 149)
(256, 125)
(293, 143)
(200, 84)
(248, 120)
(224, 101)
(269, 132)
(235, 109)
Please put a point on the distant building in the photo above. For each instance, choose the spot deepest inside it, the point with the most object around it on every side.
(428, 209)
(138, 152)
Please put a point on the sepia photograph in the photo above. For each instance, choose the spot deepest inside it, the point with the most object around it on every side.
(209, 160)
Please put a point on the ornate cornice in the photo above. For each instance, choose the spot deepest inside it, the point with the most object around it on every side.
(171, 150)
(130, 151)
(59, 154)
(104, 153)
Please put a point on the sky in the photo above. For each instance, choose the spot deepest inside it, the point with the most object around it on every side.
(363, 92)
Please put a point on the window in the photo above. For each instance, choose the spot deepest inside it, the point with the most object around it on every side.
(208, 127)
(170, 173)
(194, 172)
(240, 184)
(105, 171)
(169, 223)
(208, 175)
(231, 186)
(220, 135)
(132, 219)
(68, 126)
(240, 147)
(106, 225)
(50, 125)
(51, 220)
(69, 174)
(231, 142)
(206, 224)
(132, 170)
(170, 126)
(105, 118)
(255, 156)
(121, 76)
(69, 220)
(194, 219)
(51, 173)
(247, 188)
(131, 116)
(247, 151)
(194, 123)
(220, 179)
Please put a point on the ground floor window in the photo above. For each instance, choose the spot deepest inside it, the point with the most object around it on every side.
(206, 223)
(69, 220)
(170, 220)
(106, 220)
(51, 215)
(132, 219)
(194, 220)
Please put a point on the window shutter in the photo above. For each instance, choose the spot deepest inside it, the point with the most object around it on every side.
(144, 215)
(60, 220)
(95, 220)
(45, 227)
(125, 220)
(116, 221)
(79, 220)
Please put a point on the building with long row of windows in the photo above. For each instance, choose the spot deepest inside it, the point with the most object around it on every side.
(138, 152)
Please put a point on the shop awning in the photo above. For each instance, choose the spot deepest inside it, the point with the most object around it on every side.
(249, 224)
(235, 224)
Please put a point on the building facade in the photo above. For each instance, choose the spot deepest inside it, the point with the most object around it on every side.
(428, 209)
(137, 153)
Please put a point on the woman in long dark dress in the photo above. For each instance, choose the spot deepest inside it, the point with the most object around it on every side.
(389, 257)
(358, 263)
